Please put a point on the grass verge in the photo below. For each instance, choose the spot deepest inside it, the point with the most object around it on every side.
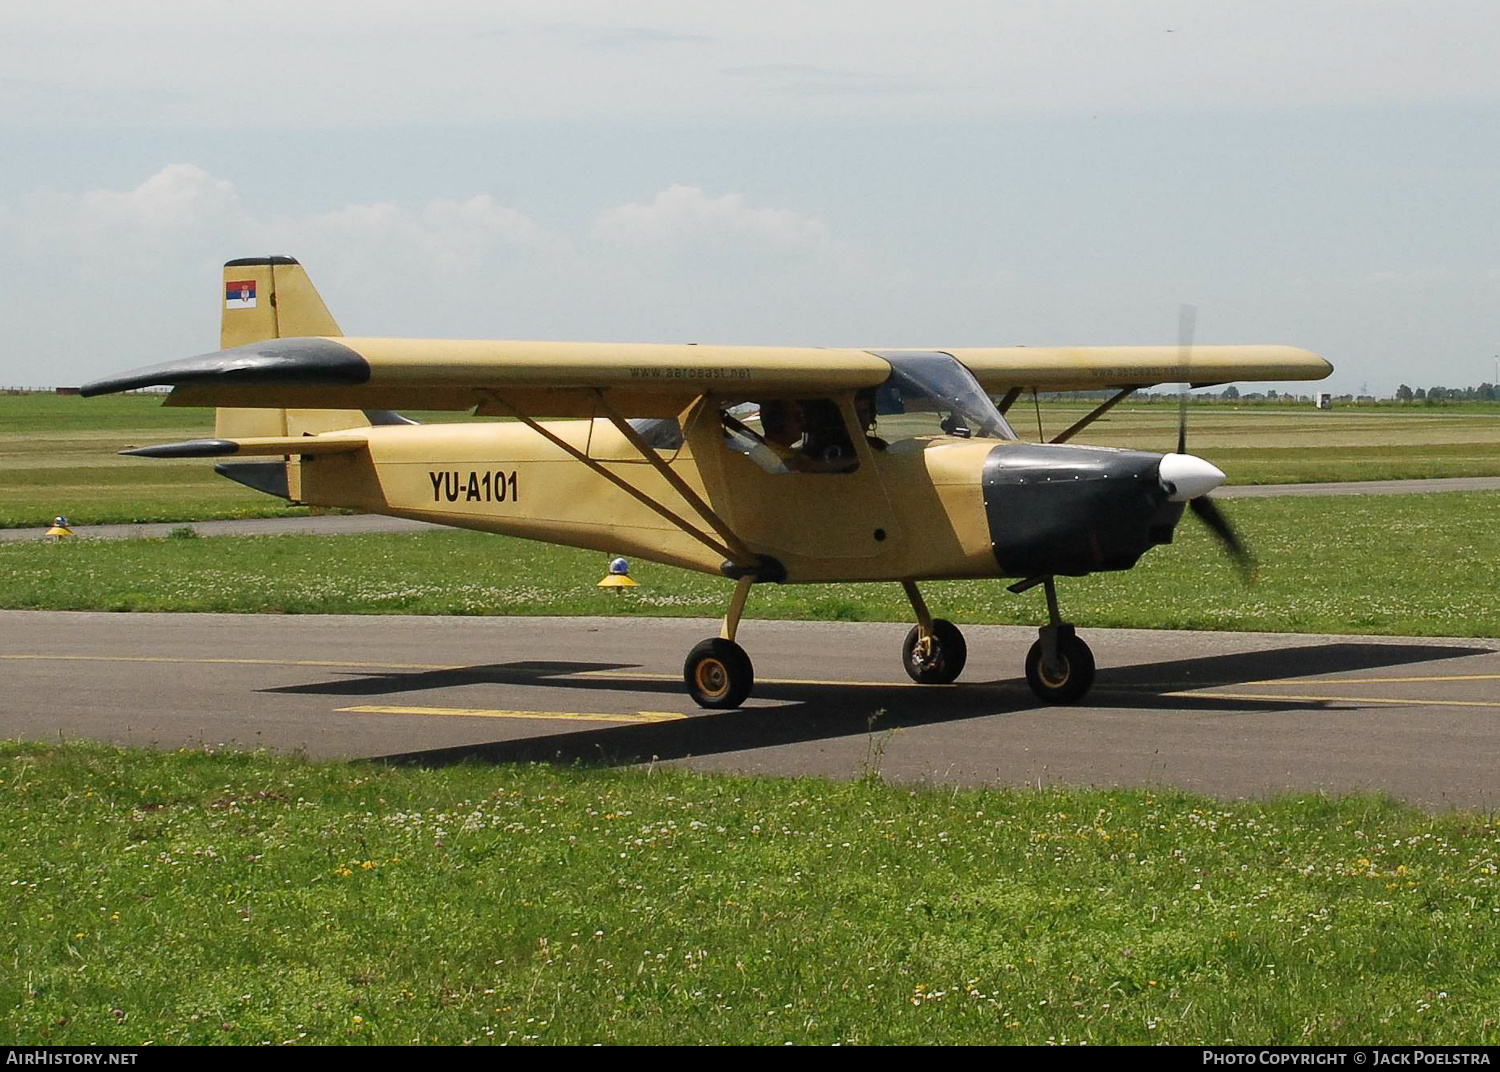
(241, 898)
(1336, 565)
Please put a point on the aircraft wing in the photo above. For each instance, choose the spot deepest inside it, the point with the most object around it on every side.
(563, 379)
(1093, 368)
(551, 379)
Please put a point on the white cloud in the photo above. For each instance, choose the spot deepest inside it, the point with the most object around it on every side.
(135, 268)
(684, 215)
(177, 196)
(172, 204)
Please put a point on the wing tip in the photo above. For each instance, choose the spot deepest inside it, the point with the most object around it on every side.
(188, 448)
(309, 362)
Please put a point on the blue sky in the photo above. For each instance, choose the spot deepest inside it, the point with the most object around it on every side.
(946, 174)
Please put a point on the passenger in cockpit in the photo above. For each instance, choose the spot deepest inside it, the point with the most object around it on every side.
(826, 447)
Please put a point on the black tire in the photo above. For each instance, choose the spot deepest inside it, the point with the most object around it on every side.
(949, 653)
(1074, 674)
(718, 674)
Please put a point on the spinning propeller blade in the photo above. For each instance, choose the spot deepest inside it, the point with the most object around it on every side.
(1187, 322)
(1204, 508)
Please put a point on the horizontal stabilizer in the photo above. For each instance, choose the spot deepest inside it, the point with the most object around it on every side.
(263, 447)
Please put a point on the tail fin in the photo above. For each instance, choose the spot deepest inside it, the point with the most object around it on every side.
(272, 298)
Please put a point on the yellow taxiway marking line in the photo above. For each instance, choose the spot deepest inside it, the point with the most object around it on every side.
(1204, 695)
(231, 662)
(1375, 680)
(479, 712)
(1304, 682)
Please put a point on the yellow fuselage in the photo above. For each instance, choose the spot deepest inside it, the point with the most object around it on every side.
(914, 510)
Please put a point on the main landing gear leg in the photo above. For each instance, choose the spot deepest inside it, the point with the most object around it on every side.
(934, 652)
(718, 673)
(1059, 666)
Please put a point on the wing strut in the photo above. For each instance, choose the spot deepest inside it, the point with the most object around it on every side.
(735, 552)
(1094, 414)
(742, 554)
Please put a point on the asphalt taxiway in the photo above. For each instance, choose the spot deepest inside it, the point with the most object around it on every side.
(1228, 714)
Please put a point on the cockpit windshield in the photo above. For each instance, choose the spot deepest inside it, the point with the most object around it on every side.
(934, 383)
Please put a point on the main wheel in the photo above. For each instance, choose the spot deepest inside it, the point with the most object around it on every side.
(1067, 681)
(943, 661)
(718, 673)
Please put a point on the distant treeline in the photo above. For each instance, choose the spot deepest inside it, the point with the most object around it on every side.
(1485, 392)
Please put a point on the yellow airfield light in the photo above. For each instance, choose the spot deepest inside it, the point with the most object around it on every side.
(618, 576)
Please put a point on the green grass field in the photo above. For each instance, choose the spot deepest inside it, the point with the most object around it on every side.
(187, 898)
(58, 454)
(1399, 564)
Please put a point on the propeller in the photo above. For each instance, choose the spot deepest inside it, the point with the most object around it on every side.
(1187, 470)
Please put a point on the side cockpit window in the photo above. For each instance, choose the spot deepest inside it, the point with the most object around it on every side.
(792, 435)
(662, 433)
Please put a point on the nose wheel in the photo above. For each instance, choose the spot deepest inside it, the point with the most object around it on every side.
(1059, 666)
(1067, 675)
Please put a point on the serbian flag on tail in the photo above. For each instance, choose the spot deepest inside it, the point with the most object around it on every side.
(239, 294)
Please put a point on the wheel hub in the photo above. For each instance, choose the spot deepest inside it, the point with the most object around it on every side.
(713, 677)
(1055, 675)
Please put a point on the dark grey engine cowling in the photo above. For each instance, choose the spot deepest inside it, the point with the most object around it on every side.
(1055, 509)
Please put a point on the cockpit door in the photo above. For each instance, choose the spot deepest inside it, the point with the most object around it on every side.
(794, 513)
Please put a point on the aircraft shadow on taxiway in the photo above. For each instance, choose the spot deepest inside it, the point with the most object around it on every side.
(802, 713)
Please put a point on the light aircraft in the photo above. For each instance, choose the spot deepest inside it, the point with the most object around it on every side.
(760, 464)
